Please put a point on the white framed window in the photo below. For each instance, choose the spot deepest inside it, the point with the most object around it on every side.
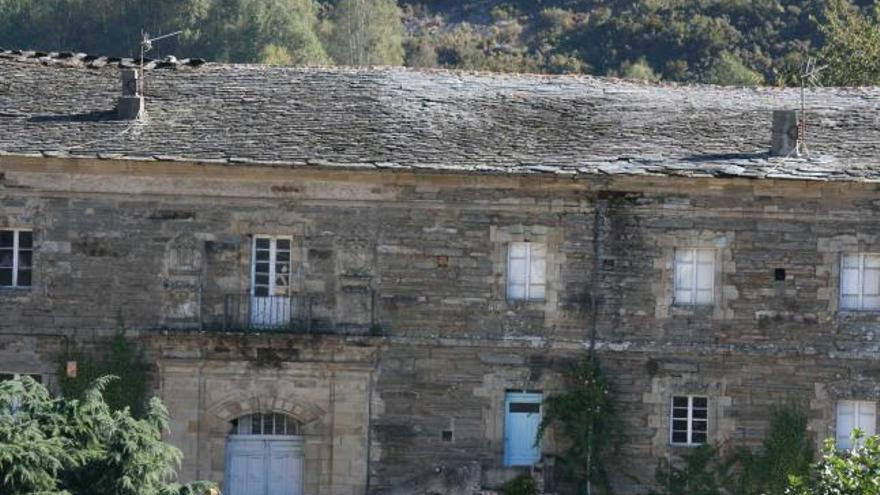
(860, 282)
(15, 376)
(690, 420)
(852, 414)
(270, 267)
(694, 276)
(526, 271)
(16, 257)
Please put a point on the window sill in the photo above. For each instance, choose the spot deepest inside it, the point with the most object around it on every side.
(686, 445)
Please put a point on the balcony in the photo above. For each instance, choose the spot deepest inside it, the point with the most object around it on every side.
(245, 312)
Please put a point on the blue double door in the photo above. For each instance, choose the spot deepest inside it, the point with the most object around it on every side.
(522, 418)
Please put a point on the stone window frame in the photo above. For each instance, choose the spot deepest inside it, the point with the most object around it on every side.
(823, 405)
(500, 238)
(722, 243)
(831, 250)
(658, 404)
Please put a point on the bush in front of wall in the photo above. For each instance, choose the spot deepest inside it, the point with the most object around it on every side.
(521, 485)
(584, 414)
(124, 361)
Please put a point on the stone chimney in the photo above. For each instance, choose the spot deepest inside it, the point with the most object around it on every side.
(130, 105)
(784, 141)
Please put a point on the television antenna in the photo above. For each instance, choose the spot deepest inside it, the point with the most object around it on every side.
(147, 45)
(809, 75)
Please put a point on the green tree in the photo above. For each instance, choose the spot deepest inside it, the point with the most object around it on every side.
(82, 447)
(786, 451)
(852, 472)
(702, 472)
(851, 54)
(240, 30)
(639, 70)
(366, 32)
(586, 417)
(729, 70)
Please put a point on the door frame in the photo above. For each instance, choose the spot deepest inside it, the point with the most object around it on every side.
(296, 441)
(518, 397)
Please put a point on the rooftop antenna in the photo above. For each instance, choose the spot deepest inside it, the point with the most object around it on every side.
(147, 45)
(809, 75)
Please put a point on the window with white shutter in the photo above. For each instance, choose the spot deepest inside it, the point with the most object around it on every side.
(852, 414)
(860, 282)
(526, 271)
(694, 277)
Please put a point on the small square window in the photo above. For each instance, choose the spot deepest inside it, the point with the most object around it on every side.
(16, 258)
(689, 423)
(694, 277)
(526, 271)
(860, 282)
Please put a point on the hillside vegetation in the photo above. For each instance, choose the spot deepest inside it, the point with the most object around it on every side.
(737, 42)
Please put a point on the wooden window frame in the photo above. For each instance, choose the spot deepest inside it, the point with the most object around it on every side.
(689, 442)
(16, 255)
(860, 273)
(273, 252)
(695, 265)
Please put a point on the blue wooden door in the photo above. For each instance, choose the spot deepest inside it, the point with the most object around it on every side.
(522, 416)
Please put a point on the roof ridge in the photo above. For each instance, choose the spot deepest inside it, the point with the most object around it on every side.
(84, 60)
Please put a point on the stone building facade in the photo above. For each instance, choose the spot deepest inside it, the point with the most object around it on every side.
(397, 262)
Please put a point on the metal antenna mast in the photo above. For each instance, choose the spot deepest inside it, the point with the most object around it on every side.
(809, 75)
(147, 45)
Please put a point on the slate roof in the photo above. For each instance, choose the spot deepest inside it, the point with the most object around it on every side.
(395, 118)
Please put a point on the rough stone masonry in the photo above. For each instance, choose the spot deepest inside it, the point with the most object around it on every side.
(395, 245)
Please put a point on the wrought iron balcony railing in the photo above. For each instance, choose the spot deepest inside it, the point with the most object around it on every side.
(246, 312)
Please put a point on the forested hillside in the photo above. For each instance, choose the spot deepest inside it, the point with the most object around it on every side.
(742, 42)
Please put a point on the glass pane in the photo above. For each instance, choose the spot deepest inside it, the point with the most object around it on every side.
(701, 402)
(871, 282)
(282, 256)
(850, 261)
(679, 402)
(262, 243)
(684, 296)
(538, 251)
(705, 277)
(538, 269)
(704, 297)
(5, 377)
(25, 259)
(525, 407)
(5, 277)
(849, 302)
(518, 249)
(699, 426)
(261, 279)
(261, 268)
(25, 239)
(282, 268)
(24, 278)
(261, 291)
(706, 256)
(256, 424)
(684, 255)
(283, 245)
(872, 261)
(698, 437)
(262, 255)
(871, 302)
(6, 257)
(517, 271)
(6, 238)
(679, 437)
(700, 414)
(516, 291)
(536, 292)
(279, 424)
(679, 425)
(684, 276)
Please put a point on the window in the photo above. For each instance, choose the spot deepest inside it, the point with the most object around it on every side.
(265, 424)
(16, 257)
(852, 414)
(271, 266)
(860, 281)
(522, 419)
(690, 420)
(526, 267)
(694, 276)
(15, 376)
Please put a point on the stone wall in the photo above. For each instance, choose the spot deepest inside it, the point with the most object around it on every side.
(413, 342)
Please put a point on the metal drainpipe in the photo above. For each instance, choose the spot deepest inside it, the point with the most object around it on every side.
(601, 206)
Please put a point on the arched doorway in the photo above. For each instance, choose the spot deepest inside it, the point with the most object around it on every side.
(264, 456)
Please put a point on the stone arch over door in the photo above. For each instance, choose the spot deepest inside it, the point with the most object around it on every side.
(217, 422)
